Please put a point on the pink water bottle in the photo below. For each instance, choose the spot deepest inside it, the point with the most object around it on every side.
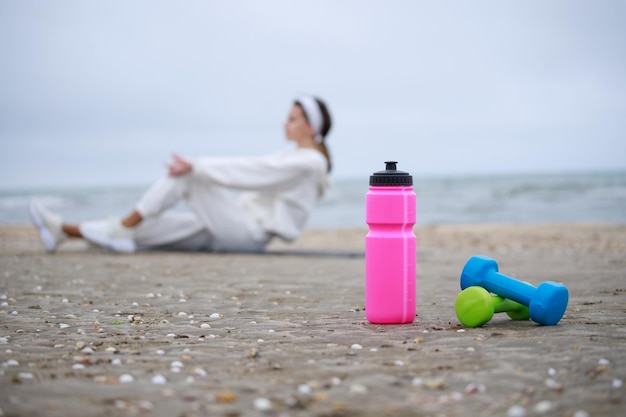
(390, 247)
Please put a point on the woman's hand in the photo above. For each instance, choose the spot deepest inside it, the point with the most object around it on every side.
(179, 166)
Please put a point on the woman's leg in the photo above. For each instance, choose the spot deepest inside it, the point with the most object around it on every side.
(133, 219)
(172, 231)
(162, 195)
(118, 235)
(112, 234)
(73, 230)
(216, 209)
(232, 227)
(168, 231)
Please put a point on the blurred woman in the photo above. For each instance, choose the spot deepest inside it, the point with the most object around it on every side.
(237, 204)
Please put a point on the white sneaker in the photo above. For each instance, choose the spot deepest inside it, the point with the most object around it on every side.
(48, 224)
(110, 234)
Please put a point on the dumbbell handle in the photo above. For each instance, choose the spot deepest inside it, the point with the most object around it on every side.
(508, 287)
(504, 305)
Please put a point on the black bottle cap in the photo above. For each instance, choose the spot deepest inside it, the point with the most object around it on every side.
(391, 177)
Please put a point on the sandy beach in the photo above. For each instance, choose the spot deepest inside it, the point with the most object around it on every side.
(90, 333)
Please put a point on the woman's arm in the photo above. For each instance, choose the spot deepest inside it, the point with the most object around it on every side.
(277, 171)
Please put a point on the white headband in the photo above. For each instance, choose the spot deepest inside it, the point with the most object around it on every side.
(313, 114)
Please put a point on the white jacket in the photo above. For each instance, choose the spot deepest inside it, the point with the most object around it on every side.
(279, 190)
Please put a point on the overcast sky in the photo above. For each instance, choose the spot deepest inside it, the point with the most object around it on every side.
(102, 92)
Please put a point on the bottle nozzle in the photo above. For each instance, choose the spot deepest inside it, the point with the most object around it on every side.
(390, 165)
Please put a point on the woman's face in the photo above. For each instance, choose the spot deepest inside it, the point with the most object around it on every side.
(297, 128)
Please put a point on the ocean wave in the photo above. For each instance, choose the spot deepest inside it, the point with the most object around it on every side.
(481, 199)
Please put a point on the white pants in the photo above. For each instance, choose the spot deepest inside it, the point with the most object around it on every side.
(217, 221)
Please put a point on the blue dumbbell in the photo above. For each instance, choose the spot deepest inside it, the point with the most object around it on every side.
(547, 302)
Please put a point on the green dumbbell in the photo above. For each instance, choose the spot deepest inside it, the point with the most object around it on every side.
(475, 306)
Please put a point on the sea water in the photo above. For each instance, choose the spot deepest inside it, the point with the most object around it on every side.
(461, 199)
